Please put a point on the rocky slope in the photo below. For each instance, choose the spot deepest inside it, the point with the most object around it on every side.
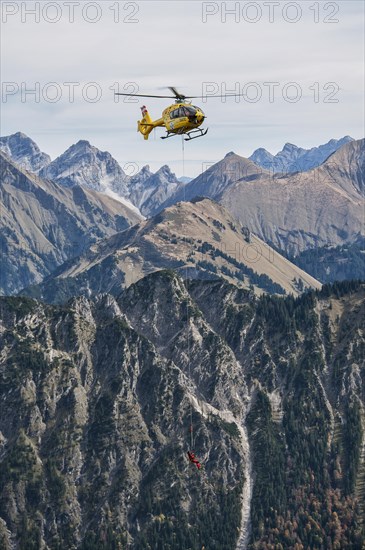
(43, 224)
(24, 152)
(199, 239)
(98, 397)
(294, 212)
(295, 159)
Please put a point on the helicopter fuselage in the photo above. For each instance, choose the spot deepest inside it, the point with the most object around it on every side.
(182, 117)
(179, 118)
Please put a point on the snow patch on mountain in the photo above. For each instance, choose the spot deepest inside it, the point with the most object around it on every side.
(123, 200)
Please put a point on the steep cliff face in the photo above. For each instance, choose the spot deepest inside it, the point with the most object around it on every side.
(96, 453)
(98, 397)
(304, 366)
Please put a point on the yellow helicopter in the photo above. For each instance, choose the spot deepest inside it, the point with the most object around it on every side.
(180, 118)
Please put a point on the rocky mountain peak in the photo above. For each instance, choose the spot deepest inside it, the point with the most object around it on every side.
(262, 151)
(149, 190)
(145, 170)
(20, 135)
(84, 164)
(167, 174)
(81, 147)
(262, 158)
(290, 147)
(83, 143)
(24, 151)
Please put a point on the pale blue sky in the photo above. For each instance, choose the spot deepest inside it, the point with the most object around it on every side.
(157, 44)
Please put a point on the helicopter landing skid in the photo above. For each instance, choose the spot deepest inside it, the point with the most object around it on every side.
(169, 134)
(198, 131)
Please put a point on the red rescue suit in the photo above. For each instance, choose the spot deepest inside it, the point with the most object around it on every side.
(194, 460)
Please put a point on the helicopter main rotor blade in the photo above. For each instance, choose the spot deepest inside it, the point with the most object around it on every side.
(206, 96)
(179, 96)
(144, 95)
(176, 93)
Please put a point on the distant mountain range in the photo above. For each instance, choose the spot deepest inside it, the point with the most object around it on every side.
(295, 159)
(85, 165)
(293, 212)
(75, 165)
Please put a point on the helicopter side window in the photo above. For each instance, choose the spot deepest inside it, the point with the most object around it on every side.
(175, 113)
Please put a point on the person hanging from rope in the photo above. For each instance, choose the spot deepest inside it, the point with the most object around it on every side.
(191, 454)
(194, 460)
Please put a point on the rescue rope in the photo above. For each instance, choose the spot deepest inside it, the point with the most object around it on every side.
(183, 160)
(187, 305)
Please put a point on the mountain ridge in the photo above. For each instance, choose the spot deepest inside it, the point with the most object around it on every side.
(200, 239)
(308, 209)
(296, 159)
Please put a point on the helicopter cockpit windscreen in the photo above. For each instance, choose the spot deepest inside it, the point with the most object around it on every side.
(189, 111)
